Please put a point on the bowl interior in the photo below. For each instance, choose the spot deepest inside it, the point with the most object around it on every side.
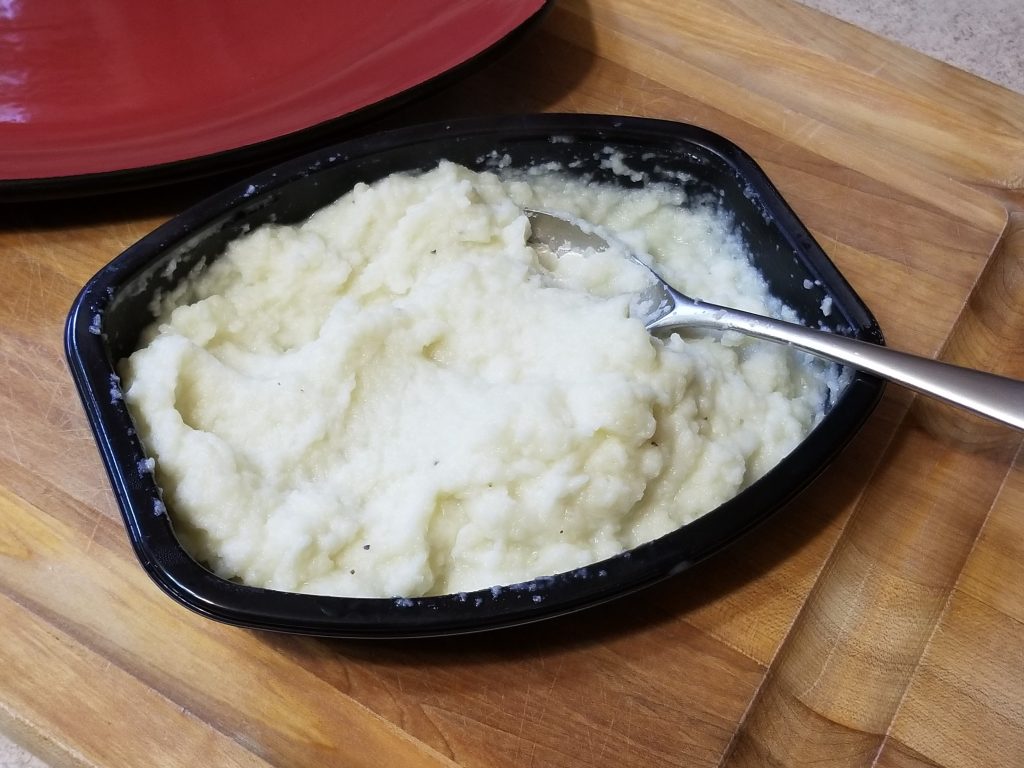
(113, 308)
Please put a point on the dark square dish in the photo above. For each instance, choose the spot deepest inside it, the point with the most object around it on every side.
(105, 322)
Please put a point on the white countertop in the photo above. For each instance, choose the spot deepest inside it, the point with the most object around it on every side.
(984, 37)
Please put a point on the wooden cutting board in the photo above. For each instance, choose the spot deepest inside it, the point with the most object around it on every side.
(878, 620)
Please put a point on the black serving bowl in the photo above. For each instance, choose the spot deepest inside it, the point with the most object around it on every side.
(106, 320)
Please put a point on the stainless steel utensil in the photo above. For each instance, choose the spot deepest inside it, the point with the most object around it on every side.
(663, 309)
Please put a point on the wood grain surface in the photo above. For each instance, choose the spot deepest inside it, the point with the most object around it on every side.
(877, 620)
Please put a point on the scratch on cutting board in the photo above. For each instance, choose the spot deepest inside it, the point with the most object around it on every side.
(627, 744)
(33, 291)
(55, 402)
(806, 132)
(92, 535)
(551, 687)
(841, 632)
(605, 742)
(12, 441)
(533, 753)
(522, 716)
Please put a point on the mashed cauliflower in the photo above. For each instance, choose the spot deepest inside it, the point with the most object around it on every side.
(401, 397)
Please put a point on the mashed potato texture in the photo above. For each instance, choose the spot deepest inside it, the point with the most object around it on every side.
(401, 397)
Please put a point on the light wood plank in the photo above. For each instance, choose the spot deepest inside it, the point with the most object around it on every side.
(230, 679)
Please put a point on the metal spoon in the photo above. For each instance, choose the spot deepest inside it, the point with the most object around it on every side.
(664, 309)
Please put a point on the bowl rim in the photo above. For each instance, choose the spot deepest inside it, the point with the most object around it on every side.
(149, 528)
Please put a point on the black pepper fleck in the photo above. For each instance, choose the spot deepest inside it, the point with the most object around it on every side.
(366, 546)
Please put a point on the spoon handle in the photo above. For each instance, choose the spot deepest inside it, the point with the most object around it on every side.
(996, 397)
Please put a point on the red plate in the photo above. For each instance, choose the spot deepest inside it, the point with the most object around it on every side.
(110, 86)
